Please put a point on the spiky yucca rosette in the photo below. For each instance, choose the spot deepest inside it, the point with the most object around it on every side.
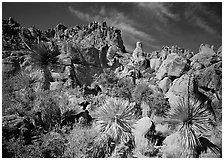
(115, 119)
(193, 120)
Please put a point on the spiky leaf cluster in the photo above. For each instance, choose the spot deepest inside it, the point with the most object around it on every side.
(193, 120)
(114, 118)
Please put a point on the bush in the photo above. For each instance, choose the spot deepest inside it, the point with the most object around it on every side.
(53, 145)
(48, 108)
(155, 100)
(78, 142)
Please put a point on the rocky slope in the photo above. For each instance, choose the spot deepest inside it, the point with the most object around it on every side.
(88, 53)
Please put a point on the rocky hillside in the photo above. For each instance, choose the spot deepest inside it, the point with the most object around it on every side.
(64, 82)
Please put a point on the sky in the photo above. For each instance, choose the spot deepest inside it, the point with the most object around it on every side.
(155, 24)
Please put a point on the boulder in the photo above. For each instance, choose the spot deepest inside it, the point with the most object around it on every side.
(140, 129)
(180, 89)
(210, 79)
(205, 56)
(163, 54)
(155, 64)
(55, 85)
(165, 84)
(173, 65)
(57, 76)
(172, 147)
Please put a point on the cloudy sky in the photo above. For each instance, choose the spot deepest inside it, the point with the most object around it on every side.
(154, 24)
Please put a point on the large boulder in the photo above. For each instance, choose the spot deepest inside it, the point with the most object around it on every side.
(205, 56)
(173, 65)
(141, 128)
(180, 89)
(210, 79)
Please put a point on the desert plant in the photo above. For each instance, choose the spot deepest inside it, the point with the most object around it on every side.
(193, 120)
(153, 101)
(18, 93)
(115, 119)
(48, 110)
(101, 147)
(78, 142)
(41, 58)
(53, 145)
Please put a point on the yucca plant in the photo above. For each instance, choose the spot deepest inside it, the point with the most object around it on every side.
(115, 119)
(41, 58)
(193, 120)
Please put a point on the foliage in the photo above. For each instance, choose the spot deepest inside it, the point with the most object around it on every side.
(42, 56)
(53, 145)
(46, 105)
(16, 148)
(101, 147)
(107, 79)
(78, 142)
(114, 119)
(155, 100)
(193, 120)
(18, 94)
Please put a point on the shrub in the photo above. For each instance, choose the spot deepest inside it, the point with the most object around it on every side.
(46, 105)
(53, 145)
(155, 100)
(78, 141)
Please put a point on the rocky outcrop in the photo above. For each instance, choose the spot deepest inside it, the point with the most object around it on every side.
(138, 52)
(206, 56)
(173, 65)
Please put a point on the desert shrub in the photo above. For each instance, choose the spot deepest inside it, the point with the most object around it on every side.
(17, 93)
(46, 105)
(16, 148)
(155, 100)
(53, 145)
(78, 141)
(108, 78)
